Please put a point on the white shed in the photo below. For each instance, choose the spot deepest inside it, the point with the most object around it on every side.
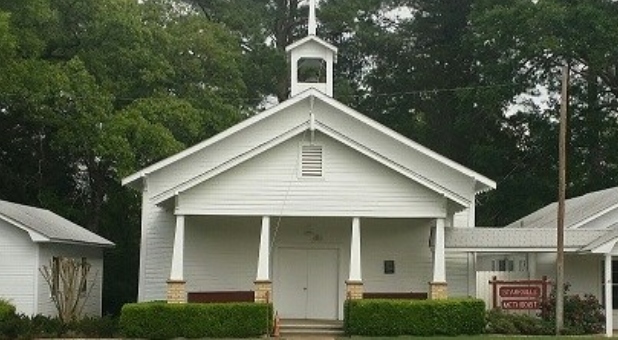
(30, 238)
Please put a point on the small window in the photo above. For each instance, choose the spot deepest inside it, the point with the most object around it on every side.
(311, 70)
(55, 276)
(502, 265)
(311, 161)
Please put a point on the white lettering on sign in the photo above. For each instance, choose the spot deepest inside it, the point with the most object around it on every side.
(520, 304)
(511, 291)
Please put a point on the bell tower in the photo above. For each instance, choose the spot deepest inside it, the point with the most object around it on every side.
(311, 60)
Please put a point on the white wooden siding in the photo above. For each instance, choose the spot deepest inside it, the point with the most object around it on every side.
(231, 147)
(458, 267)
(158, 225)
(95, 258)
(221, 253)
(18, 266)
(352, 185)
(402, 240)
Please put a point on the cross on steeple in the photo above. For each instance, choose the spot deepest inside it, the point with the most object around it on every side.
(311, 25)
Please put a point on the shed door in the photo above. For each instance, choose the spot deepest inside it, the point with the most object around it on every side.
(306, 283)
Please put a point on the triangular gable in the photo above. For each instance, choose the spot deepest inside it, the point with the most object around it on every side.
(272, 183)
(482, 183)
(311, 38)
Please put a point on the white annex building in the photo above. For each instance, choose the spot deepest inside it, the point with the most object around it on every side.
(310, 203)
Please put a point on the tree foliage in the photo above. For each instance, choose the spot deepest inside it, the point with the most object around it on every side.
(91, 91)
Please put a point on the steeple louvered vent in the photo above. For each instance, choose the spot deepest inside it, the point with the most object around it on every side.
(311, 161)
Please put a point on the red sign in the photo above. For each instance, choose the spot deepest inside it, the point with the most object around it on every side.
(520, 304)
(520, 292)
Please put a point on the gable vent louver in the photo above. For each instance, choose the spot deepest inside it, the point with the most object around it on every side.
(311, 161)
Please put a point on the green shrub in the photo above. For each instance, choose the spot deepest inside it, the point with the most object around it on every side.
(414, 317)
(156, 320)
(94, 327)
(6, 310)
(7, 320)
(499, 322)
(582, 315)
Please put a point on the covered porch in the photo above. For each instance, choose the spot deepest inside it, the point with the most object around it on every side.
(306, 266)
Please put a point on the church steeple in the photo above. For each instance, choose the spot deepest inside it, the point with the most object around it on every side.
(311, 25)
(311, 60)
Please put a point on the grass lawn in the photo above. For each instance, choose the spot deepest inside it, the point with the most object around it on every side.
(482, 337)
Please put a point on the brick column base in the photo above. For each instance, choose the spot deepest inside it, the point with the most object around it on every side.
(263, 291)
(438, 290)
(354, 290)
(176, 292)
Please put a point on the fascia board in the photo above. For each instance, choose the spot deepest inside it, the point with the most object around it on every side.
(168, 194)
(310, 38)
(414, 145)
(129, 180)
(34, 235)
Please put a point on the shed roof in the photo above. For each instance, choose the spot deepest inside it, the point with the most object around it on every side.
(519, 239)
(52, 227)
(578, 211)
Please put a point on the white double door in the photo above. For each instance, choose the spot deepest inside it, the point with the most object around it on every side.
(306, 283)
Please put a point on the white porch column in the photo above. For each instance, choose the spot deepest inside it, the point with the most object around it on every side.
(532, 265)
(354, 284)
(438, 284)
(609, 308)
(263, 284)
(263, 270)
(176, 284)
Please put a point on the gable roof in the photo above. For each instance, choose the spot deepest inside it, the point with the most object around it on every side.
(482, 183)
(45, 226)
(578, 211)
(308, 39)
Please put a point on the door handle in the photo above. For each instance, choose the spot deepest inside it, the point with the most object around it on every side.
(304, 288)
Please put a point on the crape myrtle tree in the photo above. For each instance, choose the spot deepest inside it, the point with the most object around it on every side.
(93, 90)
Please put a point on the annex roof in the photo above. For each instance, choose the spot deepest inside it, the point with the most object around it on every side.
(45, 226)
(578, 211)
(483, 183)
(521, 239)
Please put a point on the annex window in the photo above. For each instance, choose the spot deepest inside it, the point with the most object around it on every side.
(311, 70)
(505, 265)
(311, 161)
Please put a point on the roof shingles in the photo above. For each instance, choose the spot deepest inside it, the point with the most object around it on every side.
(50, 225)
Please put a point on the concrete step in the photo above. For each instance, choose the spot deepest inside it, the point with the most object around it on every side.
(313, 328)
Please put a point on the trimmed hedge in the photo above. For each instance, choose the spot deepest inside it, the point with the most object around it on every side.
(160, 320)
(414, 317)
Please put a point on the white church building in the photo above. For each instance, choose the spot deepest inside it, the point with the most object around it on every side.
(310, 203)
